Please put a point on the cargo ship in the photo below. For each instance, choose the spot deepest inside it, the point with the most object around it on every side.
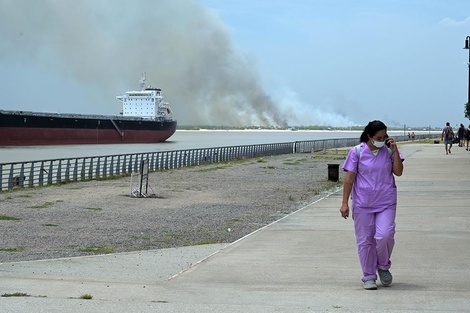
(145, 118)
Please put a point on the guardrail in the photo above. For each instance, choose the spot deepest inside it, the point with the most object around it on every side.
(58, 171)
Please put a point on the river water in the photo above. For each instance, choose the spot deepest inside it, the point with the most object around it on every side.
(181, 140)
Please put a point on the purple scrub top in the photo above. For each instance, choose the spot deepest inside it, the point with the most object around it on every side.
(374, 189)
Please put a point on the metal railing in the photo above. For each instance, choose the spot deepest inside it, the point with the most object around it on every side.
(58, 171)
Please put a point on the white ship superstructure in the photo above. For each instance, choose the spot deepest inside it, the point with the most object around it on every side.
(146, 103)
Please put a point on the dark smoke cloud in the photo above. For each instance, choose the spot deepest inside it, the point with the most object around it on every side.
(104, 45)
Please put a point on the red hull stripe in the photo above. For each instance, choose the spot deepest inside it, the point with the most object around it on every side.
(66, 136)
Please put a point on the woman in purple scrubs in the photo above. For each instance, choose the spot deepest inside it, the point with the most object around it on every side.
(370, 169)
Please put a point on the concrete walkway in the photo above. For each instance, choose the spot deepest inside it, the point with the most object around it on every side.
(306, 262)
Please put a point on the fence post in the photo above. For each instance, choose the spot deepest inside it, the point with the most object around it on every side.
(129, 164)
(90, 169)
(83, 170)
(49, 175)
(67, 171)
(41, 174)
(10, 178)
(111, 167)
(97, 169)
(21, 176)
(118, 165)
(75, 171)
(124, 164)
(59, 172)
(31, 175)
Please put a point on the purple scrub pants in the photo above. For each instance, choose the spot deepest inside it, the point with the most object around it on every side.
(375, 237)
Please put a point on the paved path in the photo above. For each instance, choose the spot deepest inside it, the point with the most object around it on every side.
(306, 262)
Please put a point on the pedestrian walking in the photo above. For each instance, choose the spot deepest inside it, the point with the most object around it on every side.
(447, 136)
(460, 134)
(370, 168)
(466, 135)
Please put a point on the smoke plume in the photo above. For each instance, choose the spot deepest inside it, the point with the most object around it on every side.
(104, 46)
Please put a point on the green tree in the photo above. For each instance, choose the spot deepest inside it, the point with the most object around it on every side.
(467, 110)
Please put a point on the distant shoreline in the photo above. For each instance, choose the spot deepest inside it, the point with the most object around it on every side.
(269, 130)
(417, 132)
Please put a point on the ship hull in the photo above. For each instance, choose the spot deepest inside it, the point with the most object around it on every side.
(23, 129)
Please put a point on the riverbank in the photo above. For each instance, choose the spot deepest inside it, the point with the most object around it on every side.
(216, 203)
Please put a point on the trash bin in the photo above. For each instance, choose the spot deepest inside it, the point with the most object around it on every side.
(333, 172)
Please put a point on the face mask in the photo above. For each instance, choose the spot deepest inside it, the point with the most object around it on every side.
(378, 144)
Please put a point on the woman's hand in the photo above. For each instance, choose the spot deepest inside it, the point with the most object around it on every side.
(344, 211)
(392, 144)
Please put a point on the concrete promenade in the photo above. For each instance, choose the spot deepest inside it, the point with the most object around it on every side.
(306, 262)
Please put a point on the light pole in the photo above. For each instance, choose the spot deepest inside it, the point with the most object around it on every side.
(467, 46)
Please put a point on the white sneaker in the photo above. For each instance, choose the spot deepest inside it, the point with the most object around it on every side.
(370, 284)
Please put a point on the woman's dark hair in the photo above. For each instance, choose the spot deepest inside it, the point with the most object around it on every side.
(371, 129)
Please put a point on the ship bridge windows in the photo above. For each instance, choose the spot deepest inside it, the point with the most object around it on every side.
(147, 94)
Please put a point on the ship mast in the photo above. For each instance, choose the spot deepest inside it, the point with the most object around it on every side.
(142, 81)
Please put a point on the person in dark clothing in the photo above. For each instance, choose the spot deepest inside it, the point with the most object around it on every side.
(447, 136)
(460, 134)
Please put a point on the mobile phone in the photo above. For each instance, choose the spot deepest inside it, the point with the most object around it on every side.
(387, 142)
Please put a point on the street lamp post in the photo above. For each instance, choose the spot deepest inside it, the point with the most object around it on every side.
(467, 46)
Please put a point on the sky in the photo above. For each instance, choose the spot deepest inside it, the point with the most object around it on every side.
(242, 62)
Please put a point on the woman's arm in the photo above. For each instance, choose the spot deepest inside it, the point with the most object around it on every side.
(397, 167)
(347, 188)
